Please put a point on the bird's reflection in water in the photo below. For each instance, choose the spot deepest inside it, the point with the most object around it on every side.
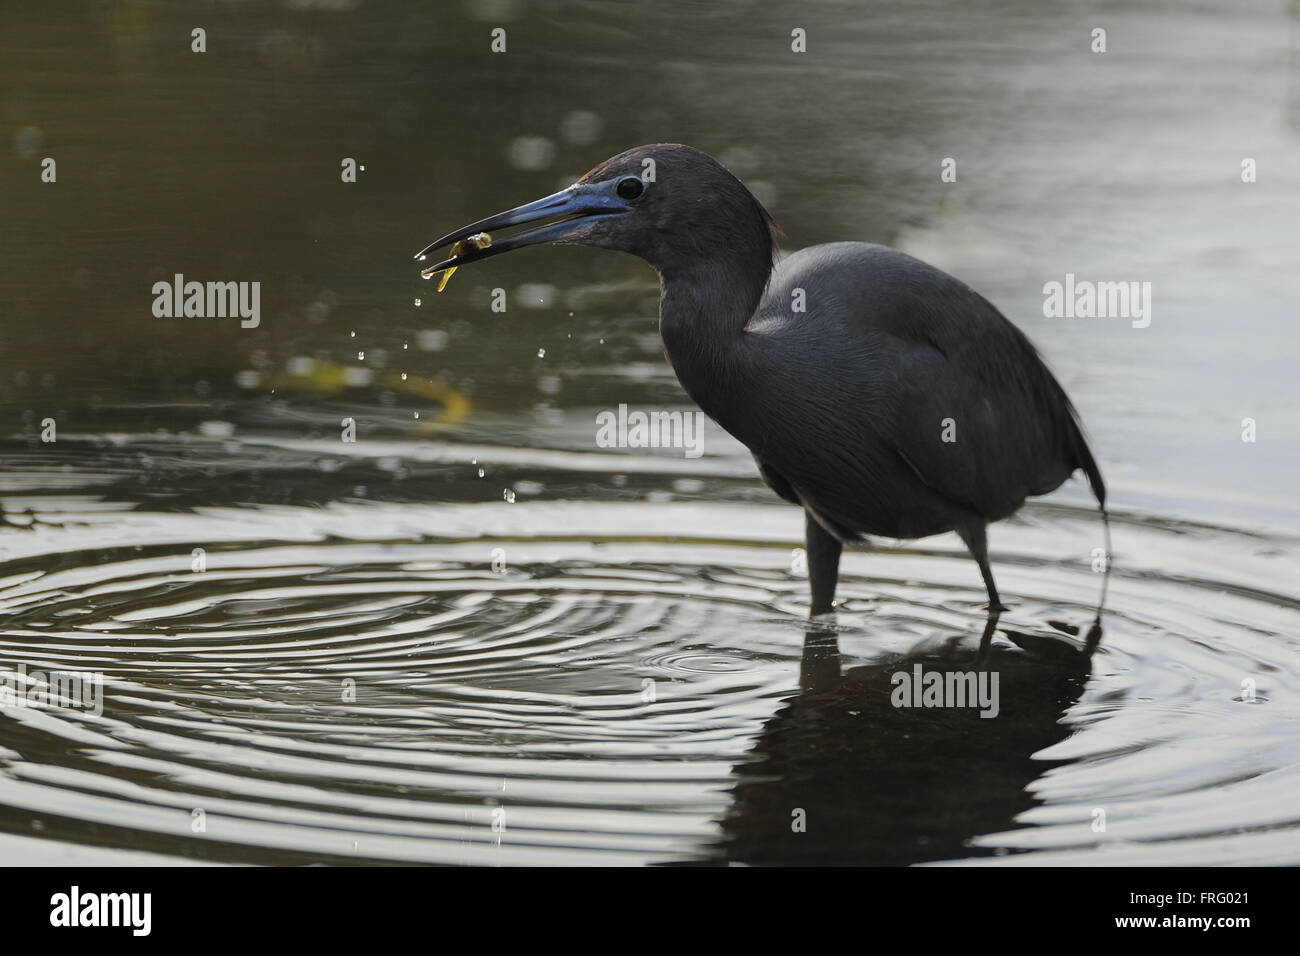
(841, 775)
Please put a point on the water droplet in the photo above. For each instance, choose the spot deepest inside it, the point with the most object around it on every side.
(535, 295)
(418, 303)
(541, 353)
(422, 258)
(352, 335)
(480, 472)
(509, 496)
(361, 356)
(417, 414)
(403, 376)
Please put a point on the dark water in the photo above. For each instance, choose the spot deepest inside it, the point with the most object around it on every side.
(475, 636)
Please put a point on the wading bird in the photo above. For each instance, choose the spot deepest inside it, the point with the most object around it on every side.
(878, 393)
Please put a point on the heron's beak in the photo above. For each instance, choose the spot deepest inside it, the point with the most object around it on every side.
(567, 214)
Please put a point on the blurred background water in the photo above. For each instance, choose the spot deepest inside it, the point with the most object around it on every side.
(563, 653)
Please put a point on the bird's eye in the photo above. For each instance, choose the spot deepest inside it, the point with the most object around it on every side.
(629, 187)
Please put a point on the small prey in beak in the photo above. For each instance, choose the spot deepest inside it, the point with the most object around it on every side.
(480, 240)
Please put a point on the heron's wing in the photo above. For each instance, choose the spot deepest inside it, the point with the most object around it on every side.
(920, 378)
(974, 411)
(979, 416)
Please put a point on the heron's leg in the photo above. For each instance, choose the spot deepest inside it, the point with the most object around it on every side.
(823, 564)
(977, 543)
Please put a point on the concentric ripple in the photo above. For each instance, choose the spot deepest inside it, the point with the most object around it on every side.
(630, 682)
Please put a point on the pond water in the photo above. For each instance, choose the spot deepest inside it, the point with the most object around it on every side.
(473, 635)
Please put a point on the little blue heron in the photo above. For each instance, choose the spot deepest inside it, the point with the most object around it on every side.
(878, 393)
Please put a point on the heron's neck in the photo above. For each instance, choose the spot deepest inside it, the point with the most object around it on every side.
(703, 310)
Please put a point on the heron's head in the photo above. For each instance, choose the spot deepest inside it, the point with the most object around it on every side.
(674, 206)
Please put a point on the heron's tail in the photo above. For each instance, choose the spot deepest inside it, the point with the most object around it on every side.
(1072, 444)
(1084, 459)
